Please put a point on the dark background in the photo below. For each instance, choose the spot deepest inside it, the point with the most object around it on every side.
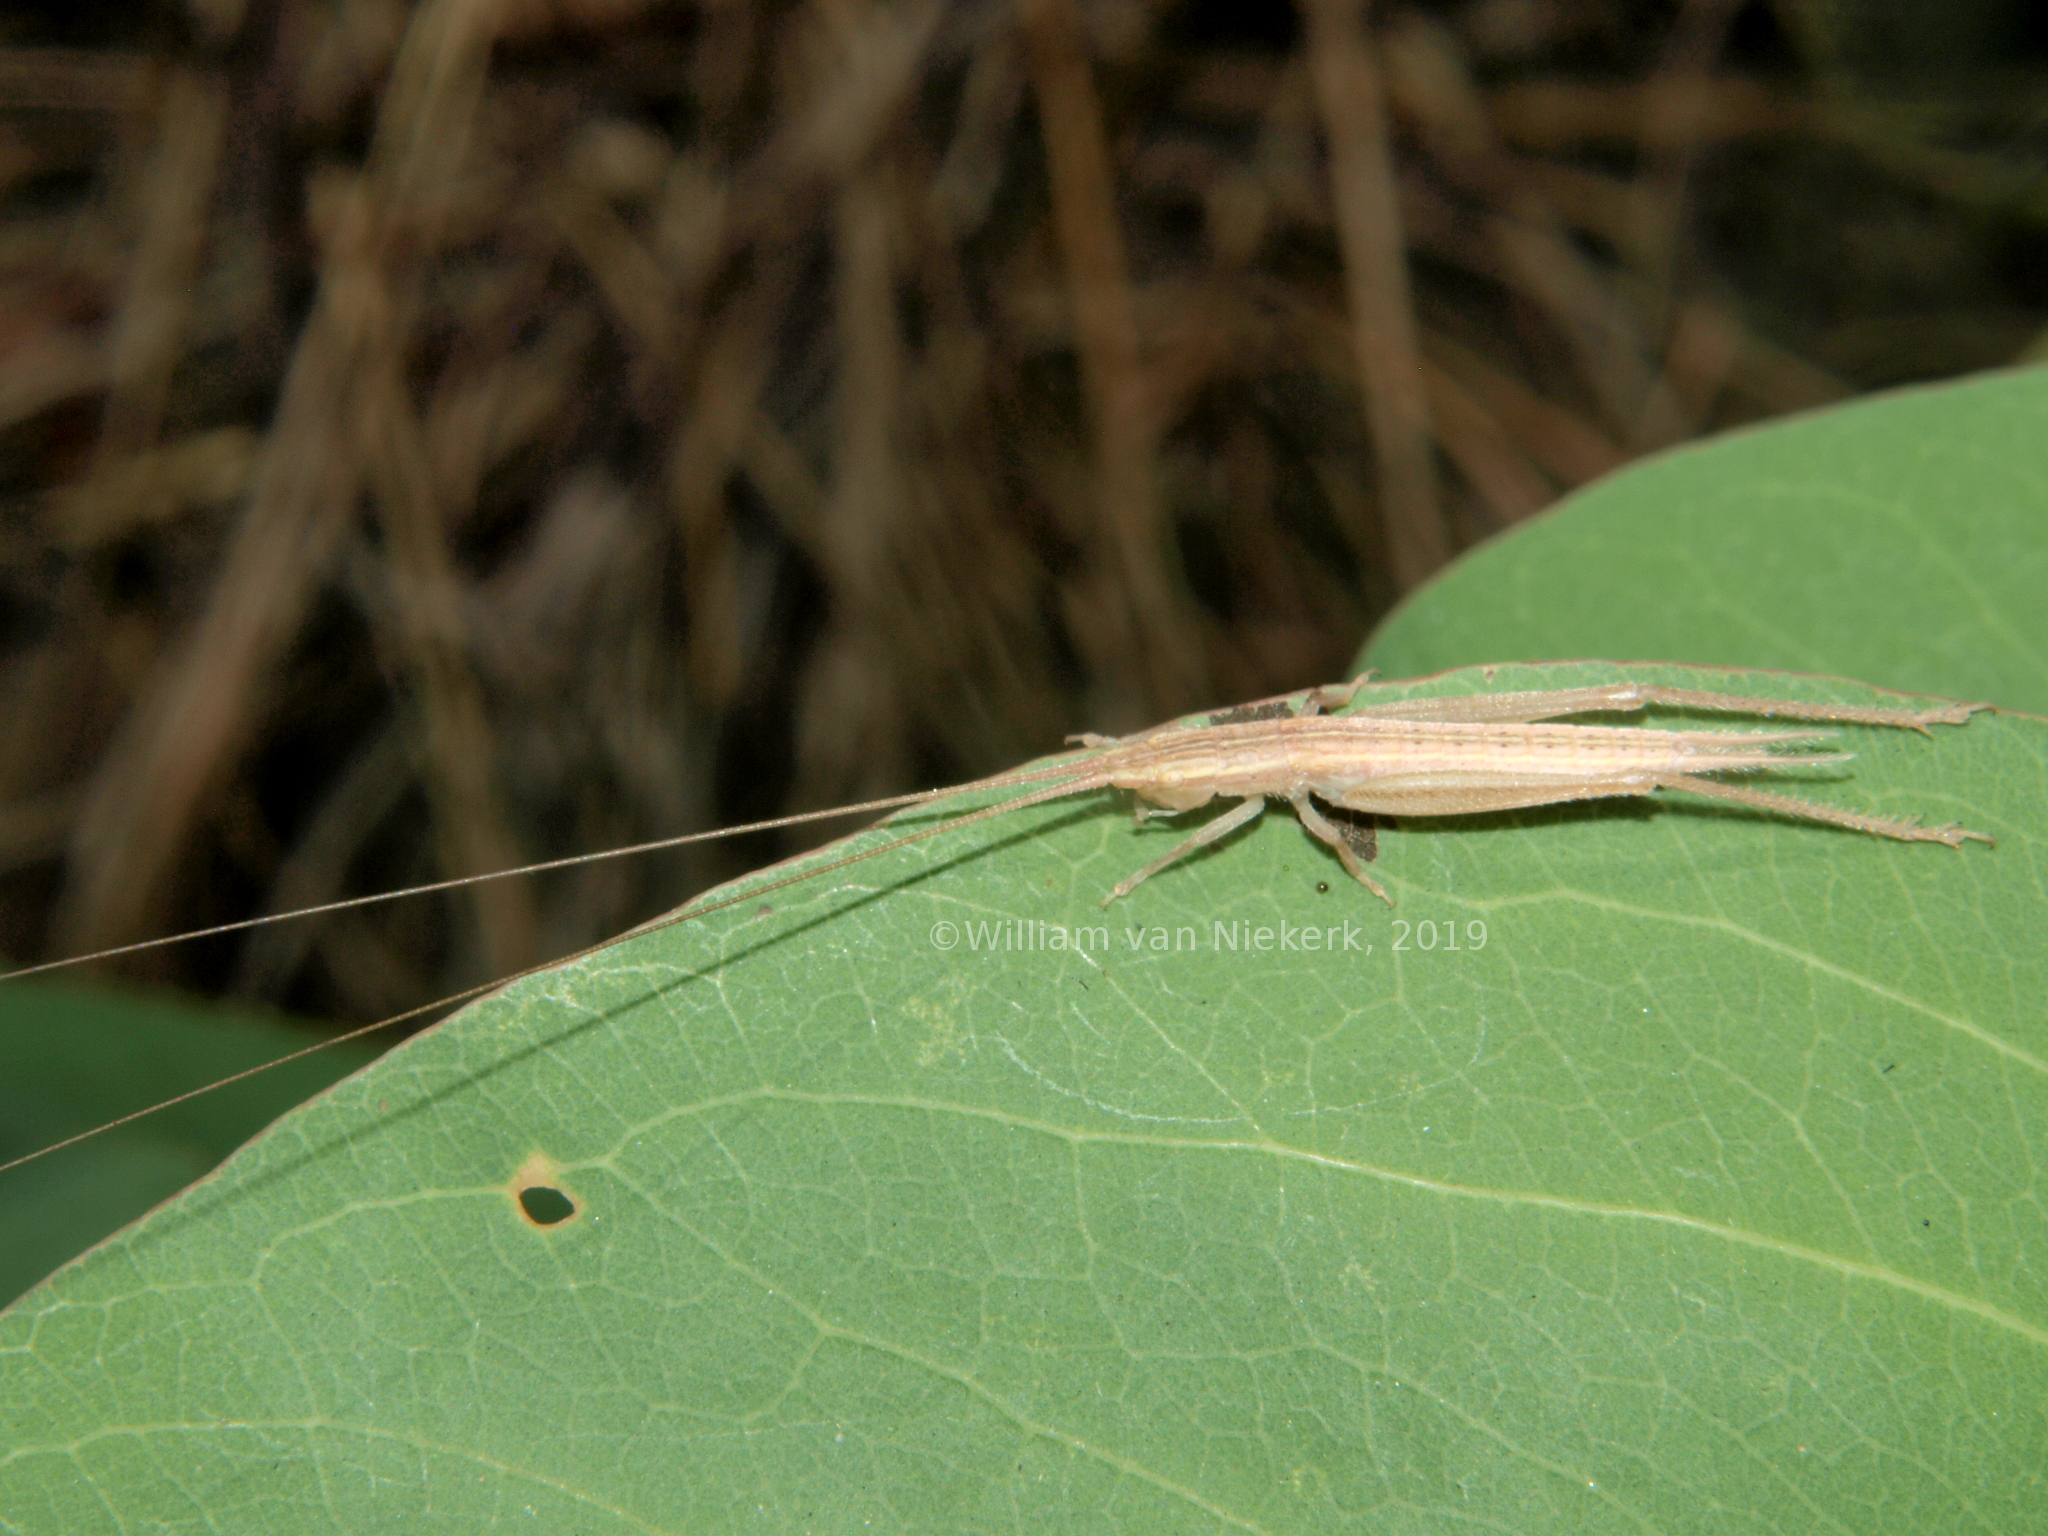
(437, 437)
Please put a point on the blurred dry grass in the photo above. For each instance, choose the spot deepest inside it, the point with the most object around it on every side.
(438, 436)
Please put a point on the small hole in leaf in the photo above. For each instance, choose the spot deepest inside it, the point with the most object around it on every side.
(541, 1191)
(545, 1205)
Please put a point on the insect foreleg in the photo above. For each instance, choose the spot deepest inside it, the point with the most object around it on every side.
(1246, 810)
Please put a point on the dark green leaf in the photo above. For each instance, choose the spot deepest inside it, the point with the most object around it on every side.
(1903, 541)
(72, 1058)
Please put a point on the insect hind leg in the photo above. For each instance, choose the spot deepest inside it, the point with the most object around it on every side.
(1903, 830)
(1631, 698)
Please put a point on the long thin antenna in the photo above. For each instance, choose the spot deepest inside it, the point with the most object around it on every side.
(1076, 783)
(893, 802)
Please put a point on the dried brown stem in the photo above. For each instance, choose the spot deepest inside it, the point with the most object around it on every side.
(1486, 455)
(1566, 447)
(152, 782)
(1137, 610)
(367, 790)
(1696, 359)
(843, 756)
(469, 820)
(715, 422)
(1346, 77)
(1525, 245)
(156, 304)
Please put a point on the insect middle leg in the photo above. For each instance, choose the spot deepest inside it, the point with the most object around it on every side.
(1331, 833)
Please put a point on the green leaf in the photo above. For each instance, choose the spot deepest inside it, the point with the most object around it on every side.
(1703, 1196)
(72, 1058)
(1899, 541)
